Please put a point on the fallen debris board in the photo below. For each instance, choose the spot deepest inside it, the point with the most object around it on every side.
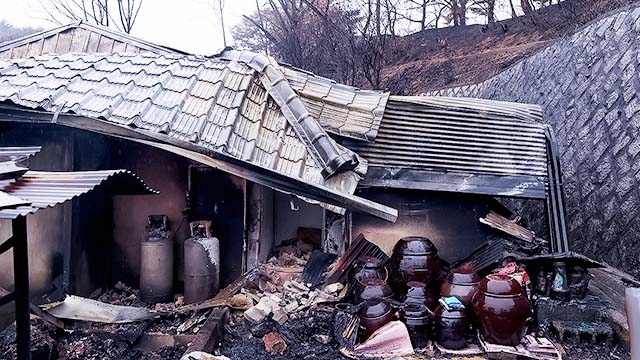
(316, 268)
(79, 308)
(224, 296)
(505, 225)
(531, 347)
(360, 248)
(210, 333)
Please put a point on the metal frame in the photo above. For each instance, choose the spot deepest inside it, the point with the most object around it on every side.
(556, 210)
(20, 294)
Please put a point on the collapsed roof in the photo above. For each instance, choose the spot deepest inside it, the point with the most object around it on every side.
(275, 124)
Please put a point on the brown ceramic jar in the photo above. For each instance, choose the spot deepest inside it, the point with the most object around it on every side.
(451, 328)
(417, 317)
(502, 309)
(374, 314)
(418, 293)
(371, 288)
(415, 259)
(461, 282)
(368, 268)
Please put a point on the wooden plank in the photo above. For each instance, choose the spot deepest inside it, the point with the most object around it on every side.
(210, 333)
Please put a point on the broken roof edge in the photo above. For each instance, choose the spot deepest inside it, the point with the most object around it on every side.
(325, 150)
(531, 113)
(277, 181)
(318, 192)
(51, 188)
(102, 30)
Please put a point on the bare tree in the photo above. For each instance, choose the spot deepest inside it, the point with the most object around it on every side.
(99, 12)
(218, 6)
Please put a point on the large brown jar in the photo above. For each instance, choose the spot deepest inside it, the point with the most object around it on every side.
(461, 282)
(415, 259)
(374, 314)
(369, 289)
(417, 317)
(502, 309)
(451, 328)
(368, 268)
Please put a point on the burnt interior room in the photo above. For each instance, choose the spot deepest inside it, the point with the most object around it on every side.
(96, 224)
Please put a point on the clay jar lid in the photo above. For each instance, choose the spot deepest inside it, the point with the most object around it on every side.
(500, 285)
(443, 313)
(415, 310)
(463, 275)
(376, 308)
(416, 289)
(371, 288)
(371, 262)
(415, 245)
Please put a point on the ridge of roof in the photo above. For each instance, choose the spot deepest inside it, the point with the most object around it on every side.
(330, 156)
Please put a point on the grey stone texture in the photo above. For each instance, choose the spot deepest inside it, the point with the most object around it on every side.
(588, 85)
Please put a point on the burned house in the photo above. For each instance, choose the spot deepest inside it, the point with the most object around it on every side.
(268, 153)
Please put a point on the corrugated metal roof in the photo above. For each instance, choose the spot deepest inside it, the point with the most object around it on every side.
(78, 37)
(218, 104)
(46, 189)
(343, 110)
(463, 136)
(18, 153)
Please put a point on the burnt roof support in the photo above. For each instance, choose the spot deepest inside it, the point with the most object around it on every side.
(556, 210)
(21, 287)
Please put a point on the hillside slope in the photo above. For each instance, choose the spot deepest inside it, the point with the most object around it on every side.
(439, 58)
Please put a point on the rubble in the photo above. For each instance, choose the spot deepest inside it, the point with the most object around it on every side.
(274, 343)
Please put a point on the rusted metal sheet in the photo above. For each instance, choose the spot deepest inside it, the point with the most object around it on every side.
(18, 153)
(46, 189)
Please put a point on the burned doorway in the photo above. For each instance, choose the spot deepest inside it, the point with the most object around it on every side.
(219, 197)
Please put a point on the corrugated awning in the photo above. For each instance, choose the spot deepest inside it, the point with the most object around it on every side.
(42, 189)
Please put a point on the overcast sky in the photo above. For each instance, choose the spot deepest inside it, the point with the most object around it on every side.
(188, 25)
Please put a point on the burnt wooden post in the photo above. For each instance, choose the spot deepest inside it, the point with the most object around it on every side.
(21, 291)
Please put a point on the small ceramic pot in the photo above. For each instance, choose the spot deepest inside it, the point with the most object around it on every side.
(418, 319)
(374, 314)
(368, 268)
(502, 309)
(417, 292)
(371, 288)
(461, 282)
(451, 328)
(414, 259)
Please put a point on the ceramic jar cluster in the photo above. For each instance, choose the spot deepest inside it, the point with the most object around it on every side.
(418, 277)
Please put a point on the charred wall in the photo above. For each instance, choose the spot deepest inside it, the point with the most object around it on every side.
(588, 86)
(450, 220)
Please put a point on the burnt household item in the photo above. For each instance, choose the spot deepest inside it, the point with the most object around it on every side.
(451, 328)
(560, 286)
(374, 314)
(579, 278)
(371, 288)
(502, 309)
(417, 317)
(156, 262)
(461, 282)
(368, 268)
(415, 259)
(418, 293)
(201, 265)
(632, 304)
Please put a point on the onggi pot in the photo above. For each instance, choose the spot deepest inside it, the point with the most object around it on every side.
(502, 309)
(415, 258)
(461, 282)
(451, 328)
(418, 293)
(369, 268)
(374, 314)
(371, 288)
